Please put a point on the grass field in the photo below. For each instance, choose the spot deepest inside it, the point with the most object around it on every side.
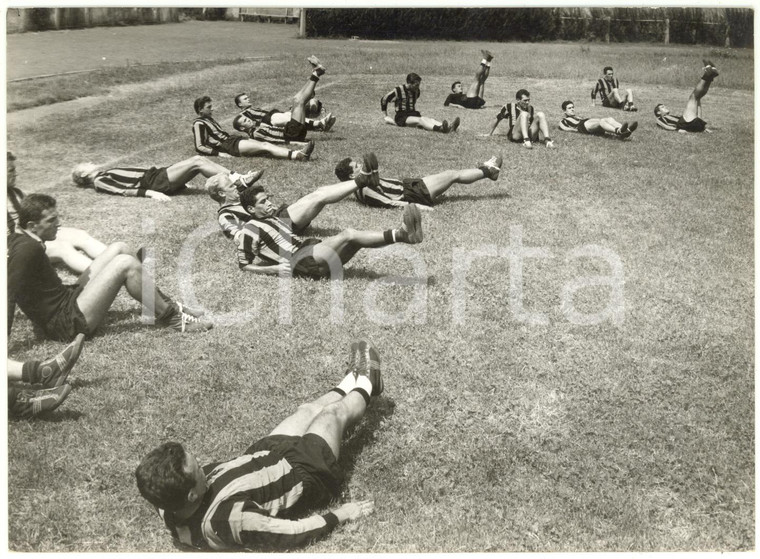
(496, 432)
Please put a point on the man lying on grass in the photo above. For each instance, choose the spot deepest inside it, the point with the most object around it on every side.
(268, 244)
(393, 193)
(63, 311)
(691, 120)
(475, 96)
(72, 247)
(404, 98)
(211, 139)
(156, 183)
(258, 500)
(594, 126)
(232, 216)
(524, 125)
(37, 387)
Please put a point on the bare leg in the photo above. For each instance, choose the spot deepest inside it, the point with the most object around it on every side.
(539, 124)
(608, 124)
(250, 148)
(305, 209)
(115, 268)
(423, 122)
(347, 243)
(185, 171)
(298, 110)
(333, 421)
(280, 119)
(62, 251)
(521, 129)
(480, 79)
(441, 182)
(694, 104)
(297, 423)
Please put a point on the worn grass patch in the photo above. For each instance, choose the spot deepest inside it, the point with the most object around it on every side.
(495, 433)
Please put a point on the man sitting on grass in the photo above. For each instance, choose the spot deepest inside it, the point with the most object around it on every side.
(594, 126)
(258, 500)
(691, 120)
(35, 387)
(232, 215)
(268, 244)
(475, 97)
(73, 247)
(524, 125)
(211, 139)
(391, 193)
(404, 98)
(156, 183)
(608, 89)
(63, 311)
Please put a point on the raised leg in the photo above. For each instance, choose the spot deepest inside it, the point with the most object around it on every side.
(539, 125)
(297, 423)
(608, 124)
(479, 82)
(298, 110)
(439, 183)
(186, 170)
(694, 104)
(335, 419)
(63, 251)
(305, 209)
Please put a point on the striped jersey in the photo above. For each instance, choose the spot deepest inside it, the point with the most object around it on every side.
(389, 194)
(231, 219)
(259, 115)
(121, 181)
(269, 133)
(668, 122)
(208, 135)
(604, 88)
(512, 111)
(570, 123)
(403, 98)
(240, 508)
(271, 239)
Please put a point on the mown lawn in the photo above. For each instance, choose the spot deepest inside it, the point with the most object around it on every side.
(497, 432)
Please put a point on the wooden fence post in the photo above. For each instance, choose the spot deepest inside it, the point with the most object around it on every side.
(728, 35)
(302, 24)
(667, 31)
(607, 29)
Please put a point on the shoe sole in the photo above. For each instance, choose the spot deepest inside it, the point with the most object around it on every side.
(66, 362)
(329, 123)
(413, 224)
(634, 125)
(454, 125)
(367, 351)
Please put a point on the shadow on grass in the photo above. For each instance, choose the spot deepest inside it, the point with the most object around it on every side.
(363, 435)
(56, 416)
(472, 197)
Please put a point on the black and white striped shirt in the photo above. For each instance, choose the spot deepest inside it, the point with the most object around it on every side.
(240, 508)
(121, 181)
(511, 111)
(570, 123)
(208, 135)
(604, 88)
(389, 194)
(668, 122)
(231, 219)
(270, 239)
(403, 99)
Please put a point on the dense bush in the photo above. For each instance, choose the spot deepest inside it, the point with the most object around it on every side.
(687, 25)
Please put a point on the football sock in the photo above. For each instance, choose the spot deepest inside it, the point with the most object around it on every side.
(392, 236)
(485, 170)
(363, 387)
(547, 139)
(292, 154)
(346, 385)
(30, 372)
(314, 76)
(437, 128)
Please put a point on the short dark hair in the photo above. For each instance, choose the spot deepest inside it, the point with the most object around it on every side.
(10, 156)
(412, 77)
(248, 196)
(200, 102)
(236, 123)
(453, 85)
(657, 109)
(161, 477)
(313, 111)
(566, 103)
(521, 92)
(607, 68)
(31, 208)
(343, 169)
(238, 97)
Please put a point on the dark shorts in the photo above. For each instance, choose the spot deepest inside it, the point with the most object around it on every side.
(69, 320)
(416, 192)
(313, 462)
(306, 266)
(295, 131)
(611, 103)
(401, 117)
(283, 214)
(533, 136)
(583, 130)
(267, 118)
(473, 103)
(696, 125)
(157, 179)
(230, 145)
